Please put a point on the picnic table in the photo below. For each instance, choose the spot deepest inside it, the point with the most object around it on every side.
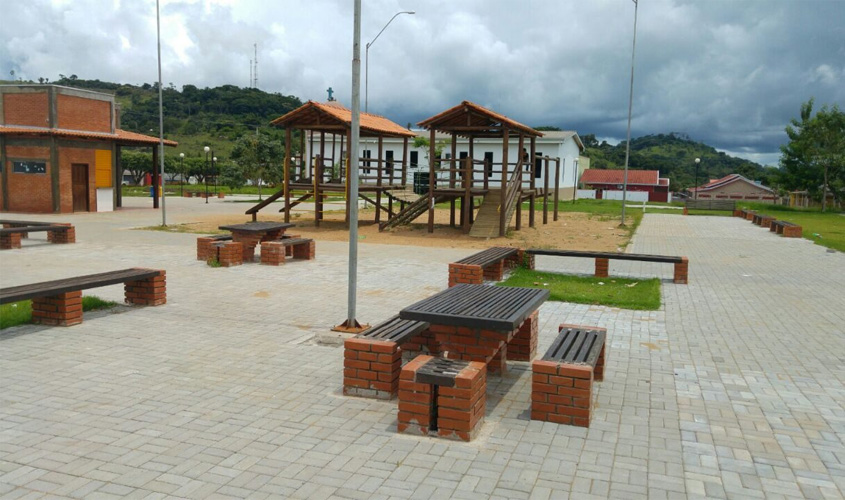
(476, 322)
(253, 233)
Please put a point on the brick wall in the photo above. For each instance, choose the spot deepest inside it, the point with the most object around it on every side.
(29, 192)
(29, 109)
(79, 113)
(67, 157)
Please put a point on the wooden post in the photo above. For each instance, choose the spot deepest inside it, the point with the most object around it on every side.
(333, 157)
(301, 153)
(557, 185)
(155, 176)
(318, 201)
(519, 180)
(379, 176)
(531, 168)
(466, 203)
(471, 178)
(454, 152)
(311, 154)
(288, 152)
(504, 186)
(431, 182)
(546, 191)
(404, 162)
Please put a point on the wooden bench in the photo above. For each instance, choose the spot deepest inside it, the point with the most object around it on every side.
(443, 397)
(372, 360)
(562, 381)
(681, 274)
(787, 229)
(745, 214)
(14, 230)
(487, 264)
(59, 302)
(273, 253)
(205, 245)
(762, 220)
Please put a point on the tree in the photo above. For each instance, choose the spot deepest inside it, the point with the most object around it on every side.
(439, 146)
(137, 163)
(259, 158)
(814, 158)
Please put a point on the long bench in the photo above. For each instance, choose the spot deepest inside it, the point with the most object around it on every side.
(787, 229)
(745, 214)
(562, 381)
(59, 302)
(488, 264)
(14, 230)
(762, 220)
(681, 275)
(443, 397)
(273, 253)
(372, 360)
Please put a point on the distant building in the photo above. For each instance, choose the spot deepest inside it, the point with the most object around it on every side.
(638, 180)
(59, 149)
(733, 187)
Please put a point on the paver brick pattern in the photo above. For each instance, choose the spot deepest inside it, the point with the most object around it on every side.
(734, 389)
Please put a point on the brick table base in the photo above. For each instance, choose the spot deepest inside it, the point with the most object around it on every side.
(371, 368)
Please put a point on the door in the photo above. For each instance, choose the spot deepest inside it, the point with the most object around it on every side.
(80, 187)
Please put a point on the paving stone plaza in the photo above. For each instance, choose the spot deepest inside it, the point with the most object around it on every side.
(733, 389)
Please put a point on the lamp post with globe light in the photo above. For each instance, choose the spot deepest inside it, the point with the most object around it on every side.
(182, 173)
(205, 174)
(214, 172)
(697, 162)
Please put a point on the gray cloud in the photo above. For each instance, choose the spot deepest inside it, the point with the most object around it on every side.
(729, 73)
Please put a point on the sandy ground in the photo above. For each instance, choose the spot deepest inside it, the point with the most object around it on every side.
(574, 231)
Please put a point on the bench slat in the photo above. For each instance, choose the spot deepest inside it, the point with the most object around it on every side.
(294, 241)
(32, 229)
(489, 256)
(395, 330)
(607, 255)
(440, 371)
(56, 287)
(576, 345)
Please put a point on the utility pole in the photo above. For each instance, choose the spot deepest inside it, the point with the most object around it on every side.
(255, 71)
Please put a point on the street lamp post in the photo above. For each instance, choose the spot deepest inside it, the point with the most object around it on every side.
(182, 173)
(214, 172)
(367, 59)
(205, 176)
(697, 161)
(630, 106)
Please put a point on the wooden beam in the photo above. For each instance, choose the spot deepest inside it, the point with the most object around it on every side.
(288, 153)
(504, 186)
(431, 181)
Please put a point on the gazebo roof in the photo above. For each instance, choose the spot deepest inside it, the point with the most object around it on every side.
(471, 120)
(332, 117)
(122, 137)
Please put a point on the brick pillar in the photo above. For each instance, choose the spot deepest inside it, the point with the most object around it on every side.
(205, 248)
(515, 260)
(602, 267)
(416, 404)
(792, 231)
(499, 363)
(749, 216)
(147, 292)
(221, 195)
(272, 253)
(423, 343)
(64, 309)
(460, 409)
(465, 273)
(230, 253)
(66, 236)
(523, 346)
(10, 241)
(686, 211)
(529, 260)
(682, 271)
(186, 194)
(495, 271)
(371, 368)
(305, 251)
(561, 393)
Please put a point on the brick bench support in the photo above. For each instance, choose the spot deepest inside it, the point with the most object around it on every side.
(371, 368)
(64, 309)
(487, 264)
(147, 292)
(562, 389)
(62, 237)
(450, 405)
(10, 241)
(681, 275)
(465, 273)
(229, 253)
(602, 267)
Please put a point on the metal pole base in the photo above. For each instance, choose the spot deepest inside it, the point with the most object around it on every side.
(354, 328)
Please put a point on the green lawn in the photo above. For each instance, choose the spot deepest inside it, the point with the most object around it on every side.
(19, 313)
(615, 292)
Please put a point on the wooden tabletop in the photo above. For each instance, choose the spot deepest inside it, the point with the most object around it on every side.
(257, 227)
(478, 306)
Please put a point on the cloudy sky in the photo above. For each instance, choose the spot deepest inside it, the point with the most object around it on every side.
(730, 73)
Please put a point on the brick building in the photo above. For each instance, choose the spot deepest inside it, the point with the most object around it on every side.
(60, 149)
(638, 180)
(734, 187)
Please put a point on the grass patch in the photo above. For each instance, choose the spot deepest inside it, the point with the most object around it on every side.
(643, 295)
(19, 313)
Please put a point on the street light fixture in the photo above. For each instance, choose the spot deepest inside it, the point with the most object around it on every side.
(205, 173)
(182, 173)
(697, 161)
(367, 59)
(214, 172)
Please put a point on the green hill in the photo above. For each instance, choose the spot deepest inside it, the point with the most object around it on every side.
(674, 156)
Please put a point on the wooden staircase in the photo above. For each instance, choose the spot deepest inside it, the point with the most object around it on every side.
(410, 212)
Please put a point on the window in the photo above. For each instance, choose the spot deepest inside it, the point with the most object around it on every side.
(415, 158)
(538, 165)
(367, 154)
(488, 163)
(463, 156)
(29, 167)
(388, 157)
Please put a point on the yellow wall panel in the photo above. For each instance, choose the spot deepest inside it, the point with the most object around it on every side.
(102, 168)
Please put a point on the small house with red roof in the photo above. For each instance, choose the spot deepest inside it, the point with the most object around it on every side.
(638, 180)
(734, 187)
(60, 149)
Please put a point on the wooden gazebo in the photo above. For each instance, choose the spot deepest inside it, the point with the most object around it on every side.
(323, 167)
(502, 185)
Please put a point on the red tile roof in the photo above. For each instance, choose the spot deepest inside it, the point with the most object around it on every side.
(120, 136)
(640, 177)
(726, 180)
(479, 115)
(316, 115)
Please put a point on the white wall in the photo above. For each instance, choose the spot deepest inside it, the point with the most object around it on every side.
(631, 196)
